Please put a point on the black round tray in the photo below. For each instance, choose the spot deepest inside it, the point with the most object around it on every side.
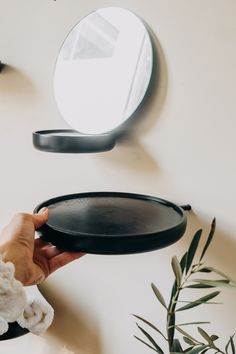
(14, 331)
(71, 141)
(112, 223)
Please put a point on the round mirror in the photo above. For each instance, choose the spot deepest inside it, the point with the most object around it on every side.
(103, 70)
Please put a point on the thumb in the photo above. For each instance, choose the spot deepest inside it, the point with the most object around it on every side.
(40, 218)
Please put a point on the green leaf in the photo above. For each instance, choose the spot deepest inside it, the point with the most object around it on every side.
(214, 337)
(192, 323)
(188, 349)
(174, 290)
(185, 334)
(197, 349)
(177, 270)
(183, 262)
(205, 270)
(227, 346)
(192, 249)
(199, 286)
(188, 341)
(204, 351)
(232, 345)
(171, 327)
(150, 325)
(155, 345)
(200, 301)
(222, 274)
(142, 341)
(209, 239)
(158, 295)
(214, 283)
(205, 336)
(176, 346)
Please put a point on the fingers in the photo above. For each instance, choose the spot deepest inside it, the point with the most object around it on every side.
(62, 259)
(46, 249)
(40, 218)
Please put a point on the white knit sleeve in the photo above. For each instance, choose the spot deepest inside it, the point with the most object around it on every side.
(38, 314)
(30, 311)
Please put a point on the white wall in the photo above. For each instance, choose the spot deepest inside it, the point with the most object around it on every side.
(184, 152)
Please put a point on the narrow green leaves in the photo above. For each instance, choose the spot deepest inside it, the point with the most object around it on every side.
(173, 290)
(231, 345)
(158, 295)
(150, 325)
(151, 340)
(205, 270)
(205, 336)
(176, 346)
(184, 271)
(197, 349)
(199, 286)
(200, 301)
(192, 249)
(192, 323)
(209, 239)
(183, 262)
(227, 346)
(186, 335)
(148, 345)
(212, 283)
(171, 327)
(189, 341)
(223, 275)
(204, 351)
(177, 270)
(214, 337)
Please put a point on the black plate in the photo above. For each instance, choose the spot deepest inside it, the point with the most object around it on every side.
(14, 331)
(112, 223)
(71, 141)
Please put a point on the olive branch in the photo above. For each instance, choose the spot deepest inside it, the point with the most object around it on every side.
(185, 278)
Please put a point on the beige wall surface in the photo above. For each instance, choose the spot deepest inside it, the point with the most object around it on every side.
(183, 151)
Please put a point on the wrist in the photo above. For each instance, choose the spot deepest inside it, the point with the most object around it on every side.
(23, 268)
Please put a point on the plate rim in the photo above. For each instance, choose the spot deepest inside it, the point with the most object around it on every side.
(181, 224)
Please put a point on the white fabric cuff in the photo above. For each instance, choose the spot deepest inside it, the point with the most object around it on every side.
(27, 306)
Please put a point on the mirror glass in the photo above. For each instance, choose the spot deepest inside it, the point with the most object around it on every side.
(103, 70)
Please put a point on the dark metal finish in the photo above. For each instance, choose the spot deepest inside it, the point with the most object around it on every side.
(112, 223)
(14, 331)
(186, 207)
(1, 66)
(71, 141)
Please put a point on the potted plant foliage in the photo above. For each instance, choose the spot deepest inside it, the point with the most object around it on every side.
(188, 273)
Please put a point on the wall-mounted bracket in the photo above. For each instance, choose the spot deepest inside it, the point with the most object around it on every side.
(1, 66)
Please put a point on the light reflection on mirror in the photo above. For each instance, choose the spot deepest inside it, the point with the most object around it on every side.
(103, 70)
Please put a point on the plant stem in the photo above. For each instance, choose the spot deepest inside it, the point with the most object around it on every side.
(171, 318)
(170, 326)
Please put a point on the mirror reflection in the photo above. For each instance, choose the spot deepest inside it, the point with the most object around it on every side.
(103, 70)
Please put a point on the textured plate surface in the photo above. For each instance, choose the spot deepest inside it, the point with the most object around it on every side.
(112, 223)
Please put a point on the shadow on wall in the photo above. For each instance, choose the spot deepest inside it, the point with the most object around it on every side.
(15, 85)
(131, 152)
(69, 329)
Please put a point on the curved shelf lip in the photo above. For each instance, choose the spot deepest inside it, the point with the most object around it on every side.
(108, 244)
(72, 141)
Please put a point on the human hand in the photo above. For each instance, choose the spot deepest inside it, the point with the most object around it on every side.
(34, 259)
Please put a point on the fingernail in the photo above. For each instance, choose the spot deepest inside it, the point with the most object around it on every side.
(41, 211)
